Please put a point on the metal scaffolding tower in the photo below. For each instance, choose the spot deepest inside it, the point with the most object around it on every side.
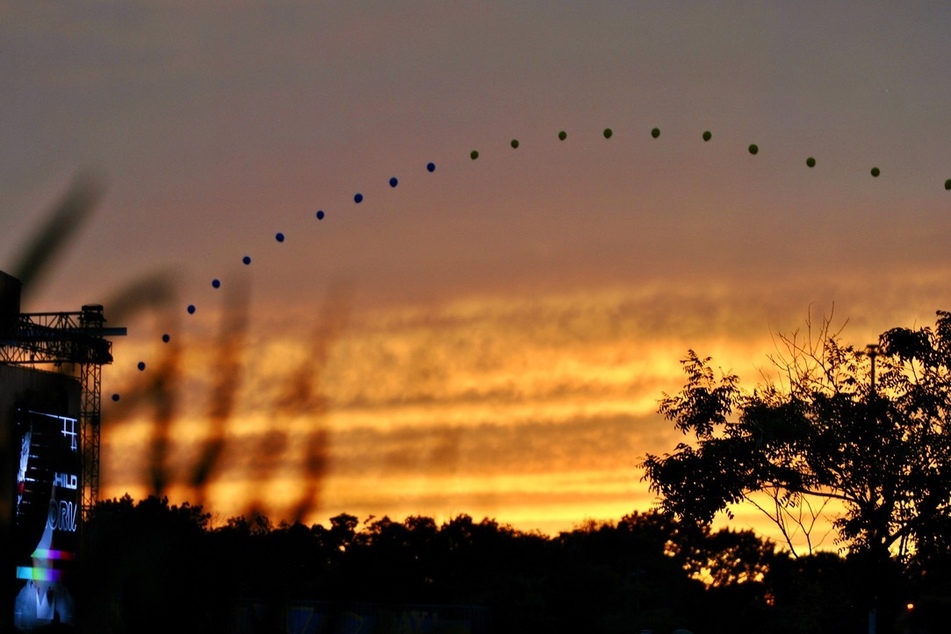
(76, 338)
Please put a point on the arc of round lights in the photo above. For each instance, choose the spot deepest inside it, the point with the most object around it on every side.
(430, 167)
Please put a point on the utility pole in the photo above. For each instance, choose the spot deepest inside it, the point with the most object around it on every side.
(872, 351)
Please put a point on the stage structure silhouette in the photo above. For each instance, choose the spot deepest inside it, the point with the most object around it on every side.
(50, 408)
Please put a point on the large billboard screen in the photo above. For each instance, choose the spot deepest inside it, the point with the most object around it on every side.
(40, 497)
(47, 517)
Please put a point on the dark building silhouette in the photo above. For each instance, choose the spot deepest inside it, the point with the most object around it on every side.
(49, 441)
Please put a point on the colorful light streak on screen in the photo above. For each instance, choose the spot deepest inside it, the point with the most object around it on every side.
(46, 528)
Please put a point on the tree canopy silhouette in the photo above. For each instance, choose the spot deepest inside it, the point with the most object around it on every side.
(866, 428)
(155, 566)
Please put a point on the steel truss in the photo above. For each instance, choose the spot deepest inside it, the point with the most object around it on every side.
(76, 338)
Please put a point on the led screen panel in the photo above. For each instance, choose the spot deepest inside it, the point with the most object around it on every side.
(41, 494)
(47, 517)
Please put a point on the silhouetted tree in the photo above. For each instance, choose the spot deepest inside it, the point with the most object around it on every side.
(256, 524)
(145, 569)
(815, 594)
(725, 557)
(880, 447)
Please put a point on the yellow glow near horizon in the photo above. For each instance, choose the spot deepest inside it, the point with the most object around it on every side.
(536, 413)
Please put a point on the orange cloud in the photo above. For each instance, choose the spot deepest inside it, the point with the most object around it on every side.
(536, 407)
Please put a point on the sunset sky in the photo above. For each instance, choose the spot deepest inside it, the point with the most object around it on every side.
(490, 337)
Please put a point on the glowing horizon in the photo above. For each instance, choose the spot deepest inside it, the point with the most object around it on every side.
(523, 423)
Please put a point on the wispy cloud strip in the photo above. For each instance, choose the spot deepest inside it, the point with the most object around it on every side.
(534, 410)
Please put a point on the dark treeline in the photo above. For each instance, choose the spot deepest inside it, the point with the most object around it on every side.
(154, 567)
